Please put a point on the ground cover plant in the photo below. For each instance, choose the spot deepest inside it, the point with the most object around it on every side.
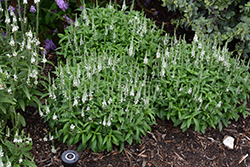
(200, 84)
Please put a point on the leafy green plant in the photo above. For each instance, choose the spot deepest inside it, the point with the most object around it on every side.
(18, 70)
(15, 153)
(216, 19)
(19, 81)
(101, 28)
(200, 84)
(101, 95)
(99, 101)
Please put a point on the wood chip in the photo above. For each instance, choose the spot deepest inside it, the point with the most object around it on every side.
(242, 159)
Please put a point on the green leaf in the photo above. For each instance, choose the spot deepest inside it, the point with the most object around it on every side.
(26, 91)
(47, 18)
(4, 99)
(109, 144)
(53, 6)
(22, 120)
(114, 140)
(65, 138)
(2, 108)
(70, 141)
(76, 139)
(29, 163)
(21, 103)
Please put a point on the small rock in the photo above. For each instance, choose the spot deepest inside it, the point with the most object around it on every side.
(229, 142)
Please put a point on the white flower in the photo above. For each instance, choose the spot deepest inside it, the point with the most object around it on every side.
(219, 104)
(1, 152)
(53, 150)
(33, 60)
(29, 34)
(45, 139)
(109, 101)
(158, 54)
(145, 61)
(54, 116)
(47, 110)
(12, 42)
(195, 38)
(15, 77)
(44, 60)
(104, 103)
(72, 127)
(14, 28)
(207, 106)
(130, 51)
(36, 1)
(33, 74)
(157, 88)
(82, 113)
(25, 2)
(104, 121)
(9, 91)
(200, 98)
(132, 92)
(15, 54)
(75, 102)
(180, 89)
(7, 20)
(190, 91)
(8, 164)
(124, 5)
(20, 160)
(109, 122)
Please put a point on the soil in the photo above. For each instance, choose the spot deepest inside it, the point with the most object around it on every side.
(164, 146)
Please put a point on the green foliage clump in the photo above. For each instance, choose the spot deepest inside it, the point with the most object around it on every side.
(101, 28)
(101, 96)
(200, 84)
(219, 19)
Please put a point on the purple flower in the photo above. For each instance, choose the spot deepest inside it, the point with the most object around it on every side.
(81, 7)
(32, 9)
(11, 8)
(146, 3)
(49, 45)
(67, 19)
(155, 13)
(4, 34)
(55, 31)
(62, 5)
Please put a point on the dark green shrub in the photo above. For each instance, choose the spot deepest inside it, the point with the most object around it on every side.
(218, 19)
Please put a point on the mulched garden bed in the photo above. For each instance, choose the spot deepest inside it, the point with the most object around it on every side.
(164, 146)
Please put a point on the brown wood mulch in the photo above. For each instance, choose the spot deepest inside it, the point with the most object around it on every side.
(164, 146)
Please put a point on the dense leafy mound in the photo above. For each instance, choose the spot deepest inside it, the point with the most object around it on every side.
(201, 85)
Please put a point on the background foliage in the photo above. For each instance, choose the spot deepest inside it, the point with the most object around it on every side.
(218, 19)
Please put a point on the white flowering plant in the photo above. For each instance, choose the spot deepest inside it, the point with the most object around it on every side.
(200, 84)
(100, 101)
(19, 82)
(19, 67)
(15, 153)
(123, 30)
(101, 95)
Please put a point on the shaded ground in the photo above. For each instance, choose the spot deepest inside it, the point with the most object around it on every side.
(164, 146)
